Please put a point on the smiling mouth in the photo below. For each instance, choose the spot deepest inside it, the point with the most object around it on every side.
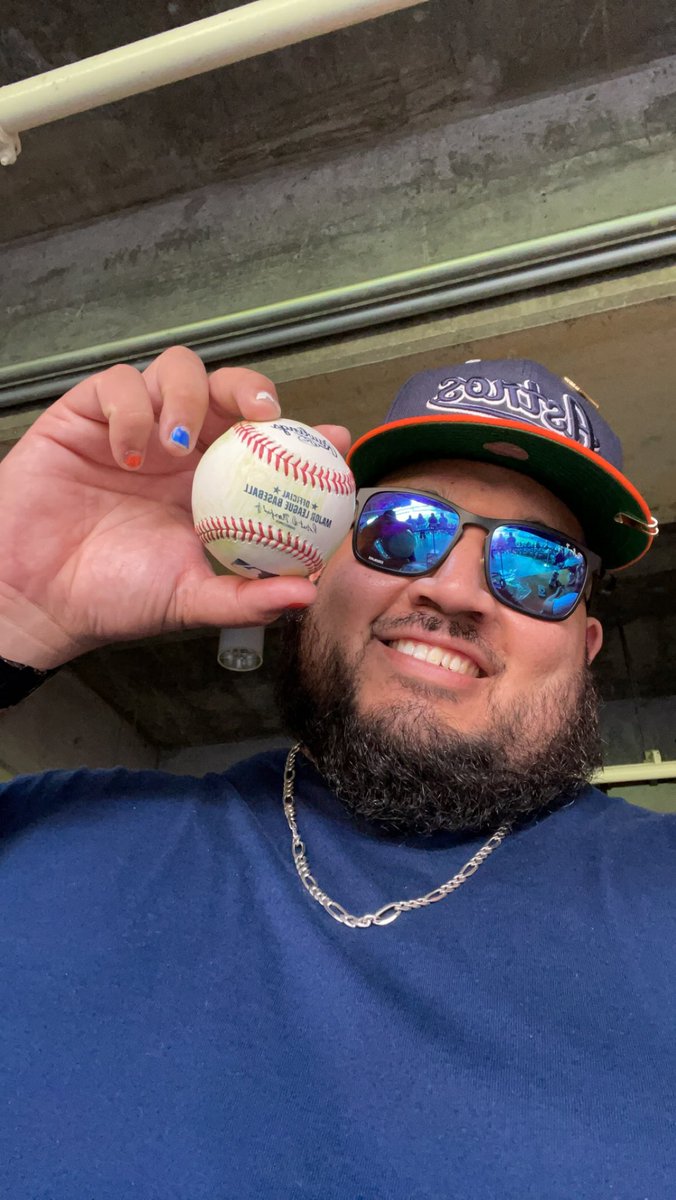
(437, 656)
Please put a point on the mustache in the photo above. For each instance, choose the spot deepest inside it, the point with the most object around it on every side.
(453, 627)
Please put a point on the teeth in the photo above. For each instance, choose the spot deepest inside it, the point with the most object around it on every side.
(437, 656)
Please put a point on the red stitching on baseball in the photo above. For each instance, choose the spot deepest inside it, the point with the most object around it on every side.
(284, 461)
(211, 529)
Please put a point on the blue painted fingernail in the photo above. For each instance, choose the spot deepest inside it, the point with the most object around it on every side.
(180, 436)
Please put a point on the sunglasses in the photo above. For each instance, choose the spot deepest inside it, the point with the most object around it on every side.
(529, 567)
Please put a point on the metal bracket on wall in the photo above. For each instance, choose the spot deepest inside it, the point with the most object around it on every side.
(10, 147)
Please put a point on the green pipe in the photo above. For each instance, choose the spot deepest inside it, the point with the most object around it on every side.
(578, 253)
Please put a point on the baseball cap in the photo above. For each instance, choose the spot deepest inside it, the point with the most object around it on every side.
(516, 413)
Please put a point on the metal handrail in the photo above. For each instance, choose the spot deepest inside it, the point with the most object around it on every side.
(216, 41)
(640, 772)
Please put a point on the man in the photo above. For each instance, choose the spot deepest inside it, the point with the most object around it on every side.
(388, 537)
(423, 959)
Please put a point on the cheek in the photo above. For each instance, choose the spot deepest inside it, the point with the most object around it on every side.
(549, 652)
(350, 597)
(334, 611)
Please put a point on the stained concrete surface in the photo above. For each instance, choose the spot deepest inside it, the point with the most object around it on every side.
(63, 726)
(545, 165)
(298, 106)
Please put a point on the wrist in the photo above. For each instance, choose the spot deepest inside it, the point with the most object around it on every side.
(29, 638)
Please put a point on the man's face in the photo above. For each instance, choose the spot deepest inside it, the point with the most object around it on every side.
(437, 663)
(500, 656)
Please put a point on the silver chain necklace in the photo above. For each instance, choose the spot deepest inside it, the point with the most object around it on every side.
(389, 912)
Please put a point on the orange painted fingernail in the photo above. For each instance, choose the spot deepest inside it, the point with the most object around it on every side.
(132, 459)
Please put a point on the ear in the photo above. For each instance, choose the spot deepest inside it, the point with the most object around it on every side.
(594, 638)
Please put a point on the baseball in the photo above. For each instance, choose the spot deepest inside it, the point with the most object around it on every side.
(272, 498)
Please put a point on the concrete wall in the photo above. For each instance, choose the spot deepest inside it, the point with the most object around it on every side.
(200, 760)
(526, 169)
(406, 70)
(65, 725)
(630, 729)
(660, 797)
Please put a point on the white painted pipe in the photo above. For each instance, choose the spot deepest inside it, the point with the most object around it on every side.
(227, 37)
(640, 772)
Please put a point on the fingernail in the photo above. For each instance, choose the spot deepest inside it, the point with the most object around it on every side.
(180, 436)
(270, 400)
(132, 459)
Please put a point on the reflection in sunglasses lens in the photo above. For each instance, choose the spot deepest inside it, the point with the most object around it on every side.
(540, 575)
(409, 534)
(405, 533)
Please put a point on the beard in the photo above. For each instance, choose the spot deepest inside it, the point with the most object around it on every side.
(405, 773)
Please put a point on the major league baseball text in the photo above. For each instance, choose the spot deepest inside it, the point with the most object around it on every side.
(272, 498)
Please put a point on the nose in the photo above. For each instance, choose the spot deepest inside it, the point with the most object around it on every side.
(459, 584)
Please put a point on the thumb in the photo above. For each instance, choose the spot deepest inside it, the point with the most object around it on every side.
(226, 601)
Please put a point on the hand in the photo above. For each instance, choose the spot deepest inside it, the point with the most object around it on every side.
(97, 541)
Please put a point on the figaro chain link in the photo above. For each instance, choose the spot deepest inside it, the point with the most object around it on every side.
(389, 912)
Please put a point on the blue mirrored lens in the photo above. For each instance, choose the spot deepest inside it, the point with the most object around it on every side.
(406, 533)
(540, 575)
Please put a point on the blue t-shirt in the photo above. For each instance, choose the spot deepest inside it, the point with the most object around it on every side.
(179, 1020)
